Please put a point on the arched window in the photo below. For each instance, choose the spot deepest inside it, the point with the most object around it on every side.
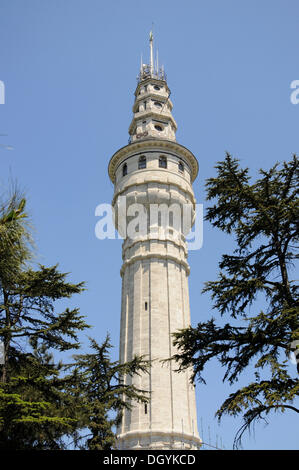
(141, 162)
(125, 169)
(181, 166)
(162, 162)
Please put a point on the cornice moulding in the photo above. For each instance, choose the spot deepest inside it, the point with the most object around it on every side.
(150, 144)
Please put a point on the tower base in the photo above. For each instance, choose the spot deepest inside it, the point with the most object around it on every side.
(157, 440)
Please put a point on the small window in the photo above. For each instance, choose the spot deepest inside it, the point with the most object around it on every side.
(158, 128)
(158, 104)
(141, 163)
(145, 408)
(156, 87)
(145, 88)
(144, 104)
(145, 306)
(162, 162)
(125, 169)
(181, 166)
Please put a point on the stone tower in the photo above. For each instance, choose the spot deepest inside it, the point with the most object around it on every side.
(154, 174)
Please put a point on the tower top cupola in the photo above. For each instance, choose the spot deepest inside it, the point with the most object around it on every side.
(152, 117)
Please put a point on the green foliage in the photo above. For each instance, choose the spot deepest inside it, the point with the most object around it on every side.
(15, 238)
(33, 411)
(263, 218)
(27, 311)
(104, 395)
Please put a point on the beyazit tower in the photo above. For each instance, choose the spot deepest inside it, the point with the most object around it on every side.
(153, 170)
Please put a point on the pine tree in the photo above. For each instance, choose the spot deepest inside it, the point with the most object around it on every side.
(32, 410)
(27, 311)
(263, 218)
(35, 410)
(104, 395)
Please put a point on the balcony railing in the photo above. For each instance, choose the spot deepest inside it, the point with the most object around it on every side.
(147, 72)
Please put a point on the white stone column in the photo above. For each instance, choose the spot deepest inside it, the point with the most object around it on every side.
(155, 294)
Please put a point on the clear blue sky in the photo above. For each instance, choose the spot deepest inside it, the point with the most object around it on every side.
(69, 68)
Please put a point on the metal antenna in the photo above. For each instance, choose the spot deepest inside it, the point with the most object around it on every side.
(151, 54)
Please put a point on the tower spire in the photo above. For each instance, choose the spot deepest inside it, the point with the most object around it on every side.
(151, 54)
(151, 69)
